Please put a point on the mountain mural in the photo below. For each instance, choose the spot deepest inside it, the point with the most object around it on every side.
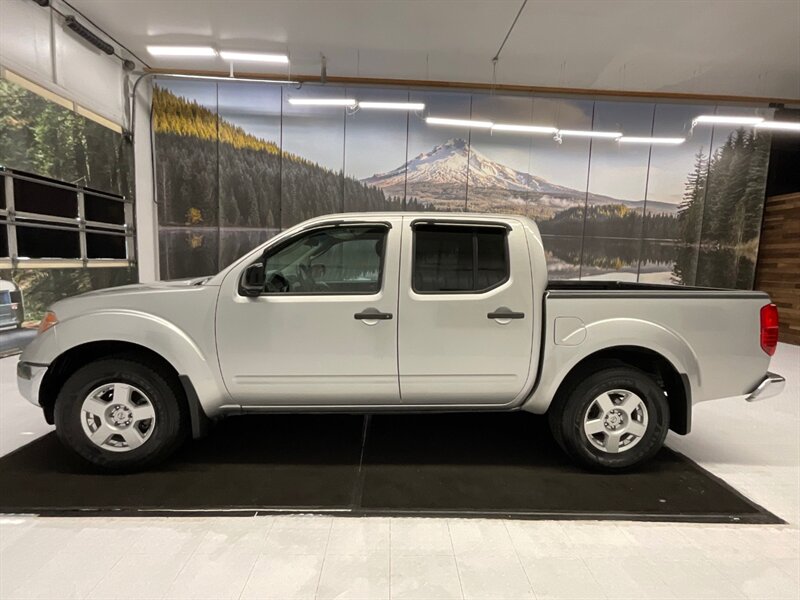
(445, 173)
(224, 189)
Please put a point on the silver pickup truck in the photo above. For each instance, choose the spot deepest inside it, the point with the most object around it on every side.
(389, 312)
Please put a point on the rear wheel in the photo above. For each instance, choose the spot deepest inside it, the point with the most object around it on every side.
(120, 414)
(614, 419)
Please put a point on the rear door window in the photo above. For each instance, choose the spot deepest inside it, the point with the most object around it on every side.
(459, 258)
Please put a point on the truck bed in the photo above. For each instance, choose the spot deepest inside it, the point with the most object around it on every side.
(713, 333)
(567, 288)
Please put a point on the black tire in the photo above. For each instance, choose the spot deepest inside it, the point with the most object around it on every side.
(170, 425)
(566, 417)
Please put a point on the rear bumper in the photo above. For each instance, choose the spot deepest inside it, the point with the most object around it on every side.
(29, 380)
(771, 385)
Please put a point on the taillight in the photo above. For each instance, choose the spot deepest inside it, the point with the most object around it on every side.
(769, 328)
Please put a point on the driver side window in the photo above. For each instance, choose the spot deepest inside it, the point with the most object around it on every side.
(330, 260)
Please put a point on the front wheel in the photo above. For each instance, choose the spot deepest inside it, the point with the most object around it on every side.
(612, 420)
(120, 414)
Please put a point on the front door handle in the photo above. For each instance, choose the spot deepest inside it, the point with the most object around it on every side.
(505, 313)
(372, 314)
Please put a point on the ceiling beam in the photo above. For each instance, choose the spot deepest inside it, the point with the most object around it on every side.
(527, 89)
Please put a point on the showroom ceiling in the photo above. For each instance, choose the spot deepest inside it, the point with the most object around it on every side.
(702, 46)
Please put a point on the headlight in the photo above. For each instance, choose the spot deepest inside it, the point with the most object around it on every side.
(47, 322)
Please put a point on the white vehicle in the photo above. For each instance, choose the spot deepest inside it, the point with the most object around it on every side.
(11, 311)
(395, 311)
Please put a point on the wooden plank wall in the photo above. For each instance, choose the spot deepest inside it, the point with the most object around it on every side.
(778, 267)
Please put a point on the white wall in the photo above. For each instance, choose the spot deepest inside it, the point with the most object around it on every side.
(35, 44)
(146, 215)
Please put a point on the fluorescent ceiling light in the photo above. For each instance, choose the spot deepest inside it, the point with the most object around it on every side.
(253, 57)
(458, 122)
(393, 105)
(779, 125)
(226, 78)
(181, 51)
(627, 139)
(727, 120)
(322, 101)
(590, 134)
(523, 128)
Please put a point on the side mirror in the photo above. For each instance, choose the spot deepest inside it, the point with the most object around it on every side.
(253, 280)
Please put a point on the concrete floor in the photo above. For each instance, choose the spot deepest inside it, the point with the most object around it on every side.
(754, 447)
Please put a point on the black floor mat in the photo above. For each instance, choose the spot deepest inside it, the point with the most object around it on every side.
(479, 464)
(291, 461)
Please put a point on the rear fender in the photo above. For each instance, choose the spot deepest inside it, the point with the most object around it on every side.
(560, 360)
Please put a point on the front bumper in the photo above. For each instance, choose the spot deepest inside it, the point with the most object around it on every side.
(771, 385)
(29, 380)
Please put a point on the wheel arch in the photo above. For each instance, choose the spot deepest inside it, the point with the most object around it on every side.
(74, 358)
(676, 384)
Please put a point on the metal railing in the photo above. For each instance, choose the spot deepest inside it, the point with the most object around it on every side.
(12, 219)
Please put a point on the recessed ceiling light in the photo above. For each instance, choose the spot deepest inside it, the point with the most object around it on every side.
(523, 128)
(181, 51)
(458, 122)
(627, 139)
(323, 101)
(779, 125)
(727, 120)
(253, 57)
(590, 134)
(392, 105)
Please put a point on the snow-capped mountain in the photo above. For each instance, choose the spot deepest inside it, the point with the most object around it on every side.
(447, 164)
(440, 175)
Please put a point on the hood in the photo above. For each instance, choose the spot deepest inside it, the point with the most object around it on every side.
(145, 287)
(138, 294)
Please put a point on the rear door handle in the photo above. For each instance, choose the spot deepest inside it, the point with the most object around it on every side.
(505, 313)
(372, 314)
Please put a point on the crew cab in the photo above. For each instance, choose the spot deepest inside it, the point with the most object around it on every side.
(395, 312)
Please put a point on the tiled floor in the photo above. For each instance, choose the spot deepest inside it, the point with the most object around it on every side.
(755, 447)
(20, 421)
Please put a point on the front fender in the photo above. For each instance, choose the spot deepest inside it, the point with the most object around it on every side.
(559, 360)
(185, 354)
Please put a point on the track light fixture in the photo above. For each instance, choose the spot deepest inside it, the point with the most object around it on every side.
(779, 125)
(181, 51)
(589, 133)
(232, 55)
(458, 122)
(727, 120)
(519, 128)
(669, 141)
(349, 102)
(392, 105)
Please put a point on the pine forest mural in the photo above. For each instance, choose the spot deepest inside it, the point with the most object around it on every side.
(237, 164)
(42, 137)
(46, 139)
